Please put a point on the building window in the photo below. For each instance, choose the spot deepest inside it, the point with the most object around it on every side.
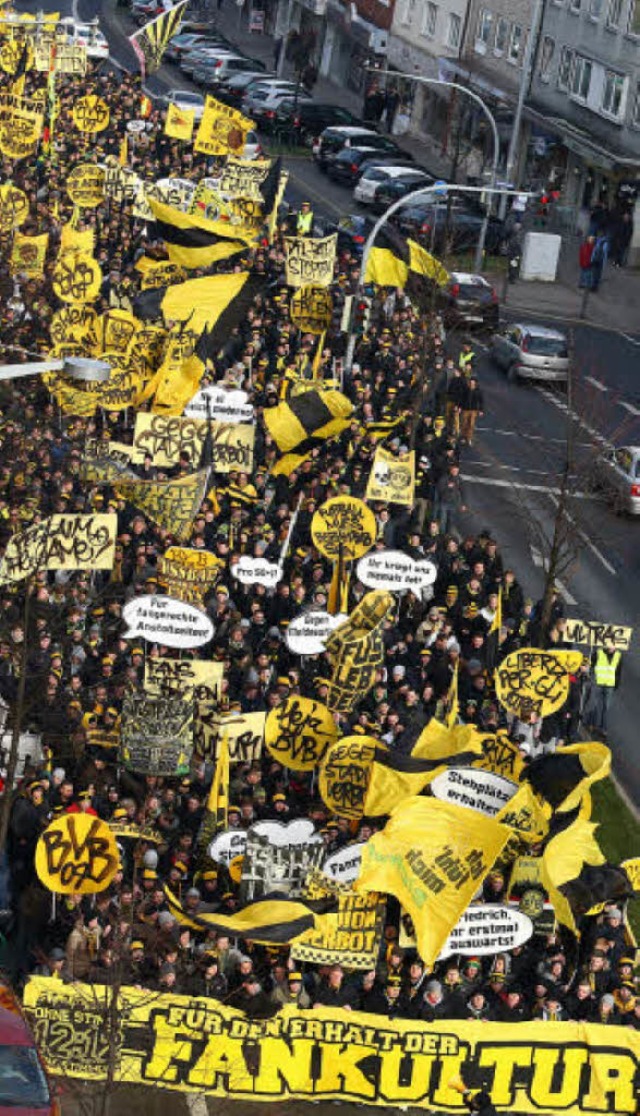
(485, 24)
(516, 44)
(454, 30)
(574, 6)
(633, 23)
(614, 12)
(429, 20)
(613, 93)
(635, 117)
(565, 67)
(595, 9)
(581, 78)
(502, 34)
(409, 9)
(546, 57)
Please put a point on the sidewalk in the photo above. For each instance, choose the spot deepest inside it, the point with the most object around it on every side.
(614, 306)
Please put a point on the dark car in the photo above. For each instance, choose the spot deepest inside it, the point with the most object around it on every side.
(24, 1086)
(389, 192)
(469, 300)
(309, 120)
(429, 225)
(334, 139)
(232, 90)
(350, 163)
(352, 231)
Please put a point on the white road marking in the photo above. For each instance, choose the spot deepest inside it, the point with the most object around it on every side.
(562, 406)
(539, 561)
(631, 340)
(530, 437)
(630, 408)
(596, 383)
(592, 546)
(497, 482)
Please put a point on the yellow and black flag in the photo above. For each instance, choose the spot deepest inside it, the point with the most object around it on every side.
(215, 815)
(308, 420)
(273, 920)
(575, 872)
(563, 778)
(394, 258)
(493, 636)
(151, 41)
(193, 241)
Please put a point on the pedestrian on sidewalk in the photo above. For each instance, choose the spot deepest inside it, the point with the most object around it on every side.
(392, 101)
(621, 233)
(472, 409)
(599, 259)
(584, 259)
(606, 665)
(374, 103)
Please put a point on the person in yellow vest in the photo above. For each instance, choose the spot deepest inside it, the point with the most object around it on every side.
(304, 222)
(606, 669)
(466, 359)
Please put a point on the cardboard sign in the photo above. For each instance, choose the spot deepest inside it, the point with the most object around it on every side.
(501, 755)
(77, 277)
(487, 929)
(311, 309)
(188, 575)
(392, 479)
(220, 405)
(62, 542)
(73, 323)
(14, 207)
(164, 439)
(156, 734)
(242, 178)
(344, 865)
(344, 775)
(310, 262)
(298, 732)
(535, 682)
(308, 632)
(161, 619)
(228, 845)
(351, 936)
(197, 680)
(244, 732)
(63, 58)
(479, 790)
(391, 569)
(356, 651)
(85, 185)
(279, 858)
(344, 525)
(256, 571)
(594, 634)
(90, 114)
(77, 855)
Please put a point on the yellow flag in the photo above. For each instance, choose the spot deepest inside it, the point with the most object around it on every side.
(432, 856)
(453, 703)
(215, 817)
(525, 813)
(570, 873)
(172, 504)
(76, 240)
(28, 254)
(222, 130)
(179, 123)
(123, 155)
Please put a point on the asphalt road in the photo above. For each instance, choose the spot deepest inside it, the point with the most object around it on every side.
(512, 472)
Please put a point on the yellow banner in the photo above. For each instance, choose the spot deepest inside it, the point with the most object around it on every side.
(242, 178)
(20, 127)
(194, 678)
(76, 240)
(166, 438)
(28, 254)
(61, 58)
(392, 479)
(222, 130)
(350, 936)
(62, 542)
(91, 114)
(73, 323)
(311, 309)
(244, 733)
(188, 574)
(201, 1045)
(179, 123)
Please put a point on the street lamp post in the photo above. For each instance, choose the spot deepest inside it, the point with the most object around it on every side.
(494, 129)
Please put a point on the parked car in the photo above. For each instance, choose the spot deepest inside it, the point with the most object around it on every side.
(146, 10)
(469, 300)
(24, 1085)
(184, 99)
(208, 70)
(352, 231)
(184, 42)
(258, 90)
(233, 88)
(88, 35)
(429, 225)
(396, 188)
(333, 139)
(263, 106)
(306, 121)
(198, 59)
(225, 68)
(252, 149)
(531, 352)
(373, 177)
(617, 472)
(350, 163)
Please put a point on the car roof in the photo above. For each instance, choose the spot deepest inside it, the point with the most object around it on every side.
(469, 278)
(540, 331)
(395, 170)
(348, 130)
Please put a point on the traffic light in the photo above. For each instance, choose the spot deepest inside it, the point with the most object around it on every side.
(362, 315)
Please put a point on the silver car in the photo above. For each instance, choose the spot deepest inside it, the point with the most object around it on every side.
(531, 352)
(617, 472)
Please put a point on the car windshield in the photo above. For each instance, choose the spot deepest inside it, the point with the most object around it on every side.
(547, 346)
(22, 1079)
(476, 291)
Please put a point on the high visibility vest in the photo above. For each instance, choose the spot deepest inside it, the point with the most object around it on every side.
(465, 359)
(304, 223)
(605, 669)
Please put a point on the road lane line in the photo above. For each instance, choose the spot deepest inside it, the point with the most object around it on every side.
(562, 406)
(583, 535)
(497, 482)
(596, 383)
(539, 561)
(631, 340)
(630, 408)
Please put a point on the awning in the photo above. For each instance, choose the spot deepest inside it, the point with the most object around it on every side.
(580, 142)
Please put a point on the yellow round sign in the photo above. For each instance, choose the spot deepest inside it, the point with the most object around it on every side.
(14, 207)
(534, 683)
(85, 185)
(91, 114)
(344, 524)
(77, 855)
(73, 323)
(77, 278)
(312, 309)
(235, 868)
(298, 732)
(344, 775)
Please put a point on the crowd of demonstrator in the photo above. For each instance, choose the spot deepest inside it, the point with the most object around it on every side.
(65, 630)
